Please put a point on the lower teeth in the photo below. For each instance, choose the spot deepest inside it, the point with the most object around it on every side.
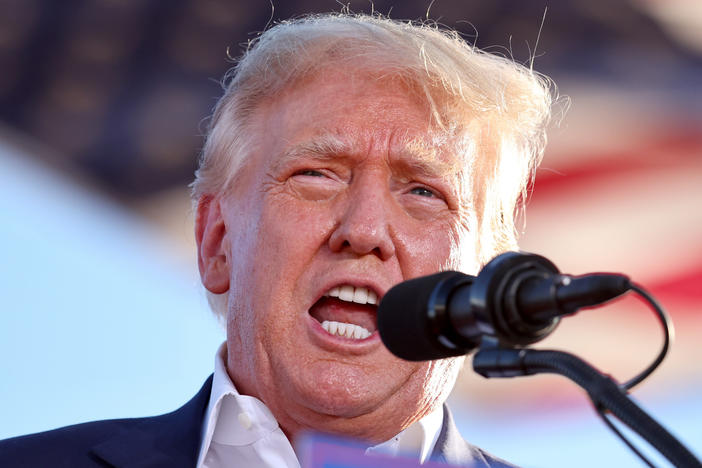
(347, 330)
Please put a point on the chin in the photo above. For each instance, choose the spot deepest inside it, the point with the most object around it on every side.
(332, 390)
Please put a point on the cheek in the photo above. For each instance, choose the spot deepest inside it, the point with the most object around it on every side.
(434, 248)
(243, 228)
(264, 231)
(243, 224)
(272, 247)
(295, 229)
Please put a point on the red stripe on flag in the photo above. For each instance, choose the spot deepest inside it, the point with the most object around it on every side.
(664, 151)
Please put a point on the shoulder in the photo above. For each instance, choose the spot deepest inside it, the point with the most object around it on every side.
(65, 447)
(169, 440)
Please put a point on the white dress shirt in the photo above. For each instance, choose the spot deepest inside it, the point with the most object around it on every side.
(239, 430)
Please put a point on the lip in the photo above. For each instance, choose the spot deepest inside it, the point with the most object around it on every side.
(335, 343)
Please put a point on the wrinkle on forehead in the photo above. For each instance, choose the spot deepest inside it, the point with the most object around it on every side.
(432, 148)
(431, 156)
(321, 147)
(438, 154)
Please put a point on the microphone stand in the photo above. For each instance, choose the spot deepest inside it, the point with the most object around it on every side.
(494, 361)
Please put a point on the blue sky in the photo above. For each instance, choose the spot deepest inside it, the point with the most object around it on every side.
(97, 320)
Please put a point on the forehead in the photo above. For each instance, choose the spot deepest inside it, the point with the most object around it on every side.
(354, 114)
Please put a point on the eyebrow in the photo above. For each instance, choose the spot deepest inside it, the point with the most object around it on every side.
(414, 155)
(323, 148)
(417, 156)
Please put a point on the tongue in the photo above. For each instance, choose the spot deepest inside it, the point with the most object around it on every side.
(329, 308)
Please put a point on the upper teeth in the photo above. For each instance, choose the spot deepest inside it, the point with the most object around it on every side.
(349, 330)
(358, 295)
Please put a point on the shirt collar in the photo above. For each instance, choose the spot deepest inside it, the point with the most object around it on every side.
(232, 418)
(417, 441)
(236, 419)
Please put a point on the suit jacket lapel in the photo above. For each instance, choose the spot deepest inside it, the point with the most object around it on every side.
(451, 448)
(171, 440)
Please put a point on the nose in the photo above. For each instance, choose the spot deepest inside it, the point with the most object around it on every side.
(364, 226)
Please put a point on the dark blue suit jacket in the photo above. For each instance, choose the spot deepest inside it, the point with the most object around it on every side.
(170, 441)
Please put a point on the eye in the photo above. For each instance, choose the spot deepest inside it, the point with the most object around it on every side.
(423, 192)
(309, 172)
(314, 184)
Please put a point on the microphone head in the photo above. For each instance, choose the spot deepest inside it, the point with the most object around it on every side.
(413, 318)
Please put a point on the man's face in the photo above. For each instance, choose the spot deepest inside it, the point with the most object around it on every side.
(340, 196)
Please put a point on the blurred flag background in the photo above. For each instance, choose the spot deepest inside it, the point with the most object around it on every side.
(102, 106)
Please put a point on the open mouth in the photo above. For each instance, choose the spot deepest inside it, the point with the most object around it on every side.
(347, 311)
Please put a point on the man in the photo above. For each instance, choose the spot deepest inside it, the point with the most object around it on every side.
(348, 154)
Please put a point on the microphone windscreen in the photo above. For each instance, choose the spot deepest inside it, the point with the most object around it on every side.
(412, 316)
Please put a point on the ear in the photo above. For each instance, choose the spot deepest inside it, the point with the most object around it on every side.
(210, 235)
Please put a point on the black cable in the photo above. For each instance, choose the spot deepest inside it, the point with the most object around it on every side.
(668, 332)
(601, 412)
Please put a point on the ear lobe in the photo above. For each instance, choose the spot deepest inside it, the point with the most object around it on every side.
(210, 235)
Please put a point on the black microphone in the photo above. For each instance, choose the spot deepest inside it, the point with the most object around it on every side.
(517, 298)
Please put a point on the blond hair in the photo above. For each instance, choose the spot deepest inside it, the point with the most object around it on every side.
(458, 81)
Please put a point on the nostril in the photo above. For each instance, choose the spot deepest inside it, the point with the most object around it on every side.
(377, 251)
